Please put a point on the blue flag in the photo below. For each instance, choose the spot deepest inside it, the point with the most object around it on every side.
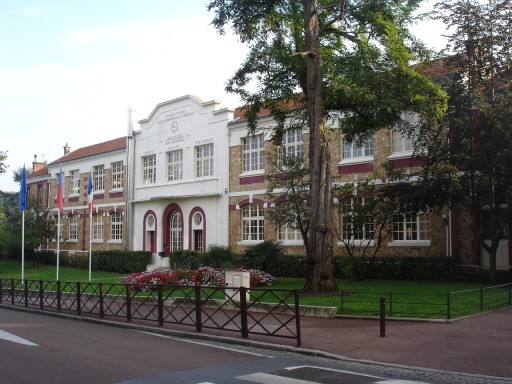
(23, 190)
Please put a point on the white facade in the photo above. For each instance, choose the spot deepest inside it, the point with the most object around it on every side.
(180, 165)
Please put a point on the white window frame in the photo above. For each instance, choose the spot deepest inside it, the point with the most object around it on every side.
(117, 175)
(289, 236)
(149, 169)
(73, 228)
(411, 230)
(97, 228)
(354, 153)
(75, 182)
(116, 227)
(292, 146)
(98, 174)
(204, 156)
(369, 225)
(175, 165)
(176, 232)
(253, 154)
(401, 145)
(253, 223)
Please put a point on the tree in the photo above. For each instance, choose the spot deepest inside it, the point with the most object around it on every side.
(318, 61)
(476, 152)
(3, 157)
(366, 209)
(38, 229)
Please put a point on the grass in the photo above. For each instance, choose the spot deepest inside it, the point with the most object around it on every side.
(12, 270)
(404, 298)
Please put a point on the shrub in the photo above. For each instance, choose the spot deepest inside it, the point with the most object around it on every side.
(263, 256)
(219, 256)
(184, 259)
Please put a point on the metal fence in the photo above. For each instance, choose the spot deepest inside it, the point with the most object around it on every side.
(428, 305)
(254, 311)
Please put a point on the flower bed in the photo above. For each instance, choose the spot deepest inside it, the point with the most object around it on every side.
(143, 281)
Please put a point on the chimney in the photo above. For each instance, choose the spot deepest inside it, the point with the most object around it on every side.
(37, 165)
(67, 149)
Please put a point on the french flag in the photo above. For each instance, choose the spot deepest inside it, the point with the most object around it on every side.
(60, 191)
(90, 194)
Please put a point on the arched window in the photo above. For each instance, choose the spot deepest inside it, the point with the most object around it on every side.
(176, 231)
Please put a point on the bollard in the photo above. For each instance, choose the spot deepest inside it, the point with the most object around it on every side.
(382, 317)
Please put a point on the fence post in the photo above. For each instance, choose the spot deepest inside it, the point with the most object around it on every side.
(2, 290)
(197, 300)
(12, 291)
(128, 303)
(382, 317)
(78, 299)
(448, 312)
(160, 304)
(297, 316)
(58, 296)
(102, 308)
(243, 312)
(41, 294)
(481, 299)
(25, 292)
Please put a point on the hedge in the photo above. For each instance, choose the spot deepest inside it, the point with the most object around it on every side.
(110, 261)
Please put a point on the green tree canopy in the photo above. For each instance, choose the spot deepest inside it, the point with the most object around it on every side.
(314, 62)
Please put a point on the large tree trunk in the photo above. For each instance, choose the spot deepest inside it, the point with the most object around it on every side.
(319, 252)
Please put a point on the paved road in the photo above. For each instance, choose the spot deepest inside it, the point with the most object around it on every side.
(44, 349)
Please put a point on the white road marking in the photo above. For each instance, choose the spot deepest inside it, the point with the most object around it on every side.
(205, 344)
(15, 339)
(265, 378)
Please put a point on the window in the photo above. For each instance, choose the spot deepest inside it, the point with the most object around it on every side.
(292, 146)
(357, 148)
(60, 232)
(253, 154)
(75, 182)
(400, 141)
(411, 227)
(204, 160)
(117, 175)
(253, 222)
(175, 165)
(176, 234)
(40, 195)
(149, 169)
(98, 175)
(357, 223)
(97, 227)
(73, 227)
(116, 226)
(286, 233)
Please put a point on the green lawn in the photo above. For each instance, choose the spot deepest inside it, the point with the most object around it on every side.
(12, 270)
(404, 298)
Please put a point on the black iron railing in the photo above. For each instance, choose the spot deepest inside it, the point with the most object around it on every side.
(254, 311)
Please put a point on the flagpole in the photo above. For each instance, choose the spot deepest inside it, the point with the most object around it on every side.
(90, 242)
(90, 197)
(23, 206)
(58, 243)
(23, 245)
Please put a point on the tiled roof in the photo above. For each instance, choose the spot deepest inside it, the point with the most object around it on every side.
(40, 172)
(96, 149)
(435, 70)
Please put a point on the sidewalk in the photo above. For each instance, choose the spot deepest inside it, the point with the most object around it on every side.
(480, 344)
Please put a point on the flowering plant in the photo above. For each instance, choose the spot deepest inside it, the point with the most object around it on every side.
(147, 281)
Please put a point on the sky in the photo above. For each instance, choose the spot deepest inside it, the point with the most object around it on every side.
(70, 69)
